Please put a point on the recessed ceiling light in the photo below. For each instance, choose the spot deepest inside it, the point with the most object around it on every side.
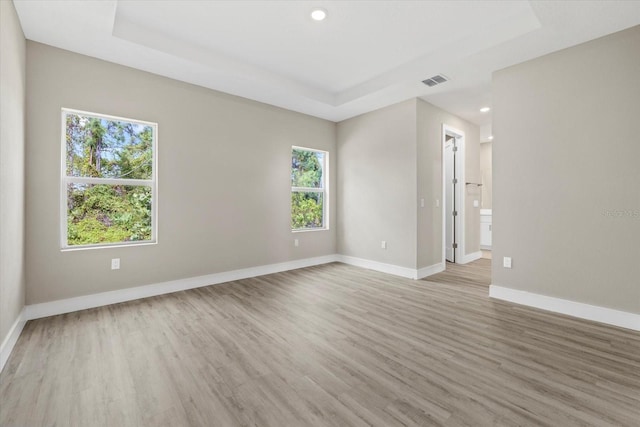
(485, 109)
(318, 14)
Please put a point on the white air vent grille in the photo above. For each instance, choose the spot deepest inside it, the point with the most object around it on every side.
(435, 80)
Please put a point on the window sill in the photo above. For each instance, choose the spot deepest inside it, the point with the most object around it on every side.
(306, 230)
(111, 246)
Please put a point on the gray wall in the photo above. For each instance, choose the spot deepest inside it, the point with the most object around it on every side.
(12, 142)
(224, 177)
(429, 156)
(566, 165)
(377, 185)
(389, 159)
(486, 161)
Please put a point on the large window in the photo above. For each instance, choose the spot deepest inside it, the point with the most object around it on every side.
(308, 189)
(108, 194)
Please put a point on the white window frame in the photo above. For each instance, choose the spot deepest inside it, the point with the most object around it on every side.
(65, 180)
(324, 190)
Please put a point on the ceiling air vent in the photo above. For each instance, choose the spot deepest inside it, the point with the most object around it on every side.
(435, 80)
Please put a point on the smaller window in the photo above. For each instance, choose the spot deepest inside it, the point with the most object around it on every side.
(308, 189)
(108, 192)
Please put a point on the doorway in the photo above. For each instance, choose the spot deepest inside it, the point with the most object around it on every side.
(450, 150)
(453, 195)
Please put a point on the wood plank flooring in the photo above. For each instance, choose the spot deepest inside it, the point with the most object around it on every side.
(331, 345)
(476, 273)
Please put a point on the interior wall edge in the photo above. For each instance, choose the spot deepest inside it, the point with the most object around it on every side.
(467, 258)
(12, 178)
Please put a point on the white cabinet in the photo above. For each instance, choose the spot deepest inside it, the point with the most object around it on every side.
(485, 228)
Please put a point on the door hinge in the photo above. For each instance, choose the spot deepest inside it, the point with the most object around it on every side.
(455, 213)
(455, 148)
(455, 246)
(455, 181)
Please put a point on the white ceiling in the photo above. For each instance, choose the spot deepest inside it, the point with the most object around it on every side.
(364, 56)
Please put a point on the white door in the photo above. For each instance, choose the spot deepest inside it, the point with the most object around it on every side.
(450, 197)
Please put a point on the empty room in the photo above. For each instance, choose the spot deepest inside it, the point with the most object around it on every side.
(319, 213)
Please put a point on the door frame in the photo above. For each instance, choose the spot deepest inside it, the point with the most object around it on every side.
(459, 252)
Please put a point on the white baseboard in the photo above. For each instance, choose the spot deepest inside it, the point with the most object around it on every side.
(485, 247)
(469, 258)
(12, 338)
(396, 270)
(431, 270)
(609, 316)
(36, 311)
(52, 308)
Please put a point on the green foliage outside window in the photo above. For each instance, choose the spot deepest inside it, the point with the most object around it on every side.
(306, 210)
(307, 205)
(111, 212)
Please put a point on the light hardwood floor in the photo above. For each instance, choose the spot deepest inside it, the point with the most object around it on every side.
(476, 273)
(332, 345)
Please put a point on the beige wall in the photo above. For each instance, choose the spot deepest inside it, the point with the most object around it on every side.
(12, 141)
(486, 174)
(566, 166)
(430, 120)
(224, 177)
(377, 185)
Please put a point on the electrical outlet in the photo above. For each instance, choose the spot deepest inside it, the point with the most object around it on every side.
(506, 262)
(422, 203)
(296, 243)
(437, 203)
(115, 264)
(383, 244)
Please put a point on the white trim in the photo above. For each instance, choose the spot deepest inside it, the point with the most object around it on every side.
(485, 247)
(460, 194)
(52, 308)
(36, 311)
(467, 258)
(609, 316)
(11, 339)
(430, 270)
(109, 245)
(306, 230)
(396, 270)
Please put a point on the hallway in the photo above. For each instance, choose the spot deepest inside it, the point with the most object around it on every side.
(477, 273)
